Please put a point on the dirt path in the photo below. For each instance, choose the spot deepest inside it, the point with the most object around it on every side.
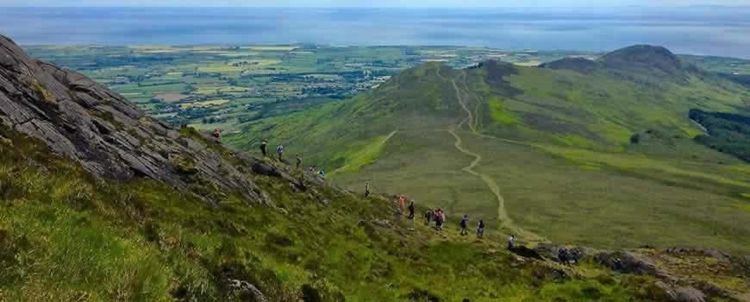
(502, 213)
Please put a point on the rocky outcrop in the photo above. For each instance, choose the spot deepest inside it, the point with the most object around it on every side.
(629, 262)
(101, 130)
(246, 290)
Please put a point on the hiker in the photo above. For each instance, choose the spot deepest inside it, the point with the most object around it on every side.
(401, 202)
(480, 229)
(263, 147)
(367, 189)
(299, 161)
(428, 217)
(464, 224)
(562, 255)
(439, 219)
(511, 241)
(280, 152)
(217, 135)
(411, 210)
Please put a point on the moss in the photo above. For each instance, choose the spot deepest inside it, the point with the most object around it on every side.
(42, 91)
(183, 164)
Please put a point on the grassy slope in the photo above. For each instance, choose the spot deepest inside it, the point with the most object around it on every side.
(568, 171)
(67, 237)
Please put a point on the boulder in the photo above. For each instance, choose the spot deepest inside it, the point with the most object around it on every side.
(629, 262)
(689, 294)
(246, 290)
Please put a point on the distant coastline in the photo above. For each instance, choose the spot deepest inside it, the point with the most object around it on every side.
(720, 31)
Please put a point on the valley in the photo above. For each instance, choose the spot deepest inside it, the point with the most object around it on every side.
(544, 150)
(542, 155)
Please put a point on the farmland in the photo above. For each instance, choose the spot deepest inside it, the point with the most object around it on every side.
(225, 86)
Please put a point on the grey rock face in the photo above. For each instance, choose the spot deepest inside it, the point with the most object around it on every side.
(689, 294)
(110, 137)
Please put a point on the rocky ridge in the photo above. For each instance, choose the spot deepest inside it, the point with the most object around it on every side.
(110, 137)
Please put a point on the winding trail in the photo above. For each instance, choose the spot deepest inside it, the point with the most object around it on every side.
(502, 213)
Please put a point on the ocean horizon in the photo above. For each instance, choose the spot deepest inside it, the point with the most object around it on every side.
(718, 31)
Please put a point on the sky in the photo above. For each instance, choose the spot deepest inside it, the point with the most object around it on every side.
(380, 3)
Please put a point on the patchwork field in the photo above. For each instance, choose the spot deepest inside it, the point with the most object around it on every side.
(257, 81)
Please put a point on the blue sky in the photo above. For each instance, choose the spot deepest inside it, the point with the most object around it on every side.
(378, 3)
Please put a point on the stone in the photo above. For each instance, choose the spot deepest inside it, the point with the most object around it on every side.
(689, 294)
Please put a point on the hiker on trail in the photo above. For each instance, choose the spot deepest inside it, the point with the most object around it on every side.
(367, 189)
(511, 242)
(217, 135)
(464, 224)
(428, 217)
(480, 229)
(280, 152)
(264, 147)
(562, 255)
(411, 211)
(299, 161)
(401, 203)
(439, 219)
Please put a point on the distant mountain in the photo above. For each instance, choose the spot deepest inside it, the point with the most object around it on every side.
(582, 65)
(569, 149)
(643, 57)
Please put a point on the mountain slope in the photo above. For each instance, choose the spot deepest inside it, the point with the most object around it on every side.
(70, 231)
(557, 142)
(108, 136)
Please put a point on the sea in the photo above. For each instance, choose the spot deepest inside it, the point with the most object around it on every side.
(705, 30)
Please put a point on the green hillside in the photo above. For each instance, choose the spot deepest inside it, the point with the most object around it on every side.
(100, 202)
(587, 152)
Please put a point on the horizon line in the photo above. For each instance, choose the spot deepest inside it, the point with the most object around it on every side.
(380, 7)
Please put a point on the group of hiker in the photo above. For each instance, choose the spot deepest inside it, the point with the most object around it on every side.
(279, 152)
(297, 158)
(437, 215)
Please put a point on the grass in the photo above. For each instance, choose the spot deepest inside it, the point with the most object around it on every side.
(67, 236)
(365, 155)
(591, 203)
(498, 112)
